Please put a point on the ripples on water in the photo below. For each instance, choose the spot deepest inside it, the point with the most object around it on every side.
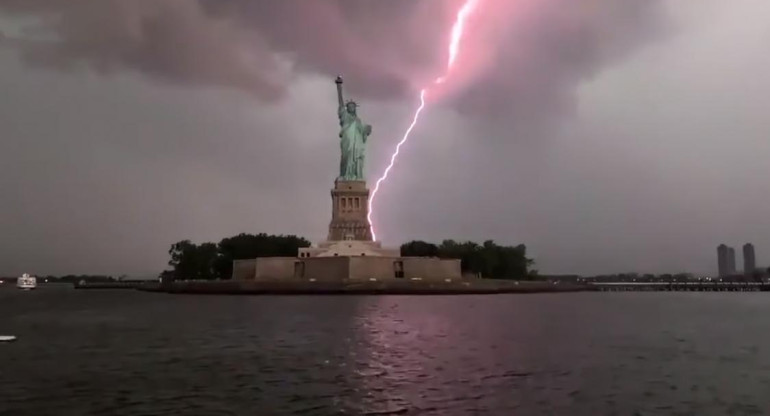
(133, 353)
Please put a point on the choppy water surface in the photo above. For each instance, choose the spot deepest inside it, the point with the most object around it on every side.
(133, 353)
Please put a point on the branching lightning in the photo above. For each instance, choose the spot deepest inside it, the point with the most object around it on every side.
(456, 36)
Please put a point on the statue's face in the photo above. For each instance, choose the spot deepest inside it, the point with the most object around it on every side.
(351, 108)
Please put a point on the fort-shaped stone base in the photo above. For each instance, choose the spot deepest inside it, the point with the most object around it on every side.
(346, 268)
(349, 248)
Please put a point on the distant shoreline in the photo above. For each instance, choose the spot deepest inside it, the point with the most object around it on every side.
(390, 287)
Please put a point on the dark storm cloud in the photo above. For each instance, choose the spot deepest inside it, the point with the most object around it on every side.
(543, 49)
(173, 40)
(521, 57)
(103, 173)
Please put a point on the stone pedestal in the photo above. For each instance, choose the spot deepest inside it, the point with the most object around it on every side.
(350, 208)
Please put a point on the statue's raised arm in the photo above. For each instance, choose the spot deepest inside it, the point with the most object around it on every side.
(338, 81)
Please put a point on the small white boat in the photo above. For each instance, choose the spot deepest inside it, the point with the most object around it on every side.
(7, 338)
(26, 282)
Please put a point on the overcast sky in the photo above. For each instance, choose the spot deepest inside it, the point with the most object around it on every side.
(606, 136)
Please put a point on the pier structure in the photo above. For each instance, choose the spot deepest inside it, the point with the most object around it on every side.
(707, 286)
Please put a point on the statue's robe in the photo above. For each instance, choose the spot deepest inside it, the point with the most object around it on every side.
(353, 136)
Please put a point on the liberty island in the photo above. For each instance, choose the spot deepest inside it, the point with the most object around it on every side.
(349, 251)
(349, 260)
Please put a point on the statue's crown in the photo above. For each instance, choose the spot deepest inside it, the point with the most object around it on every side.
(351, 102)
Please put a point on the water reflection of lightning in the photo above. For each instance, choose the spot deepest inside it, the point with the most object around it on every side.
(454, 48)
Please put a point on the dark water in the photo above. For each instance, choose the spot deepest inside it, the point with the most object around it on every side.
(133, 353)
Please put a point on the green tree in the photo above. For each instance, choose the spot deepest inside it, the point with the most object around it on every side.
(250, 246)
(419, 249)
(182, 261)
(205, 259)
(193, 261)
(489, 259)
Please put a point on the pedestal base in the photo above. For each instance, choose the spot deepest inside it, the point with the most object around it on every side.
(350, 208)
(349, 249)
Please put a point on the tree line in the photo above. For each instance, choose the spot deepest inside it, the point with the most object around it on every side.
(488, 259)
(209, 261)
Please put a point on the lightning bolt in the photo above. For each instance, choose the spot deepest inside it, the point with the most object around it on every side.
(458, 29)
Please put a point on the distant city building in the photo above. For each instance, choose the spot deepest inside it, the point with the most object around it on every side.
(749, 260)
(730, 261)
(722, 254)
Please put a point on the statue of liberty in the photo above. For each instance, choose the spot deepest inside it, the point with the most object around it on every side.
(353, 136)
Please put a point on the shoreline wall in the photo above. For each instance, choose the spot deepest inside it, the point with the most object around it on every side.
(393, 287)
